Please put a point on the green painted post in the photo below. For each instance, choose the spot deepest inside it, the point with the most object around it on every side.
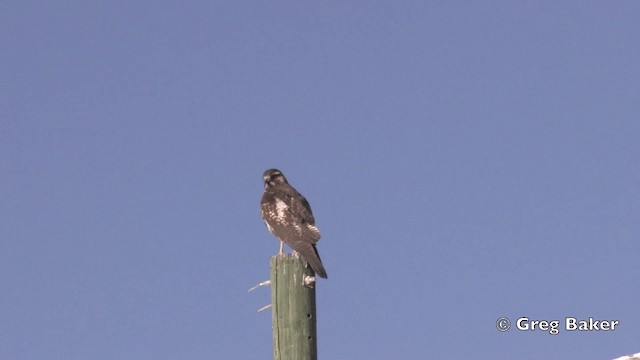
(293, 310)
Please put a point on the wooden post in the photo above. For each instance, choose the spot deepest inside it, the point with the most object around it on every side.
(293, 310)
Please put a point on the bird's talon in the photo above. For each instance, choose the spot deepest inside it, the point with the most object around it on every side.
(309, 281)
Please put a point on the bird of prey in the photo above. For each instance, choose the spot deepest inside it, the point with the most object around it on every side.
(288, 217)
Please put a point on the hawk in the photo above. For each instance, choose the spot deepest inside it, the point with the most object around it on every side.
(288, 217)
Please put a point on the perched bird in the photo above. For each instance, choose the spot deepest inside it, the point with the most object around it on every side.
(288, 217)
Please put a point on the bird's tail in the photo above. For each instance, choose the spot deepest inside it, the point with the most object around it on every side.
(312, 257)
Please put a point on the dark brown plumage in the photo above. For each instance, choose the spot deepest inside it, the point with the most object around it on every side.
(288, 217)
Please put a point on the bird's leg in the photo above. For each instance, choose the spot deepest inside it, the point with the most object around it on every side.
(281, 248)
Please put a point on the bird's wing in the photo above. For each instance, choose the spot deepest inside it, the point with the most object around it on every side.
(303, 216)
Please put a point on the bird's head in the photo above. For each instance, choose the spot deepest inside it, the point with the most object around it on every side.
(273, 177)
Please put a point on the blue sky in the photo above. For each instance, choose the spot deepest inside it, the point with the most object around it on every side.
(464, 161)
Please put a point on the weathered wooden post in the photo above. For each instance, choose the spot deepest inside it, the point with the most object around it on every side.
(293, 310)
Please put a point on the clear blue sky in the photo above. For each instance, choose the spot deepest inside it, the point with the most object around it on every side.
(464, 160)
